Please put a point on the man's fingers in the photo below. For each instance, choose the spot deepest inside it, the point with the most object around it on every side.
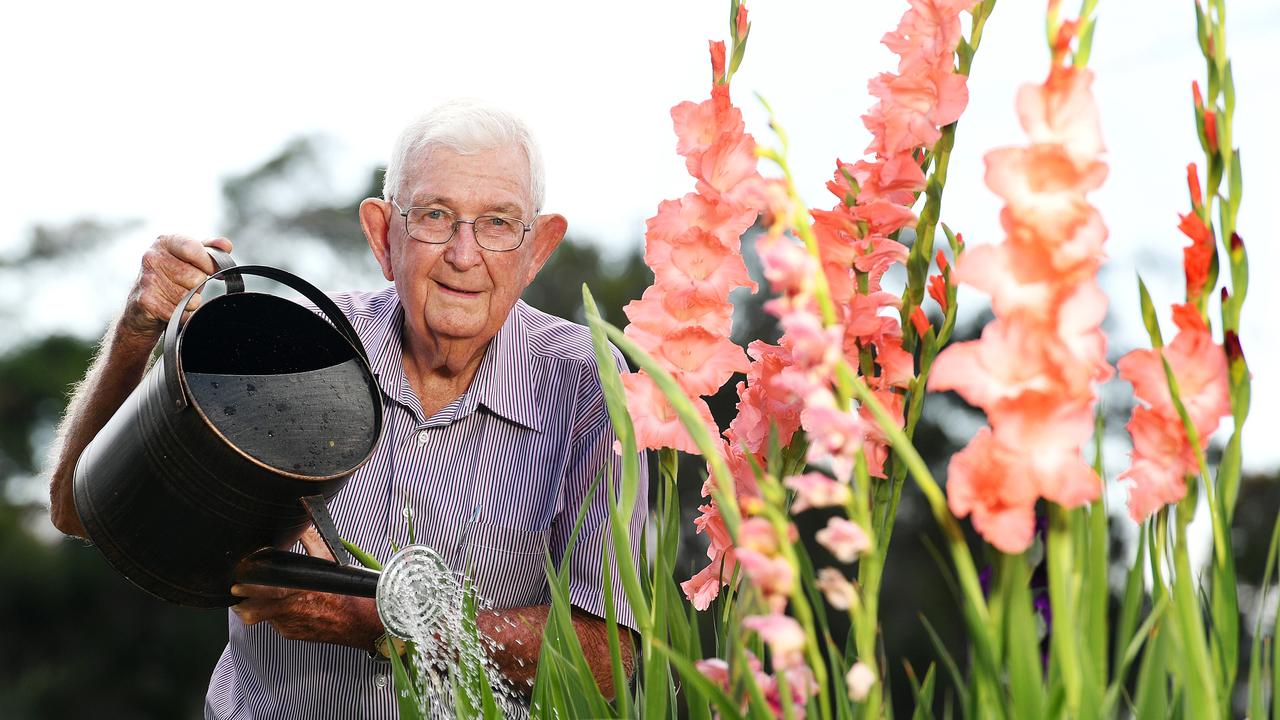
(266, 592)
(190, 251)
(221, 243)
(314, 544)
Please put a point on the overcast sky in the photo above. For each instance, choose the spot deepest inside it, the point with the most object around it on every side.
(139, 110)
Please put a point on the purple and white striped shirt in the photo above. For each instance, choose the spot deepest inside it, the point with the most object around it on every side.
(492, 479)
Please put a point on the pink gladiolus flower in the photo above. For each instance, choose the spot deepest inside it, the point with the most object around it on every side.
(783, 635)
(765, 401)
(704, 587)
(832, 431)
(699, 125)
(815, 490)
(860, 680)
(662, 310)
(656, 423)
(699, 259)
(773, 576)
(838, 591)
(698, 359)
(757, 534)
(844, 539)
(675, 217)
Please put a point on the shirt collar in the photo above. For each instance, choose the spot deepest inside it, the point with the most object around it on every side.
(502, 384)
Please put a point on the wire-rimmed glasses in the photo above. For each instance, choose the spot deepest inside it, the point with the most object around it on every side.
(436, 226)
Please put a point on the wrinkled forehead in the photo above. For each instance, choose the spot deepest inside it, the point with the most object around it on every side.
(493, 176)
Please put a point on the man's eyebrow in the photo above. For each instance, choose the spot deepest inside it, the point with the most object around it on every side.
(505, 208)
(425, 200)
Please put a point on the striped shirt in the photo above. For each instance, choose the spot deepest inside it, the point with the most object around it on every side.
(492, 479)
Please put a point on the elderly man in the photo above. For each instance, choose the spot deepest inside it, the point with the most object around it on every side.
(495, 424)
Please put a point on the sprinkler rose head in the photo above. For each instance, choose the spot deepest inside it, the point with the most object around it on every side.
(413, 590)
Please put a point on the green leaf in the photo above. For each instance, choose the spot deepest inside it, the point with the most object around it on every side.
(1149, 315)
(406, 691)
(1129, 654)
(1152, 694)
(361, 556)
(923, 692)
(948, 662)
(621, 692)
(620, 512)
(1020, 637)
(1256, 672)
(1131, 602)
(1235, 186)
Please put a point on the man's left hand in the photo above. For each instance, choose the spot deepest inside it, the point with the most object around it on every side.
(308, 615)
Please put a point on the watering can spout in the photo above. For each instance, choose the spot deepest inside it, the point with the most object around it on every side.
(280, 568)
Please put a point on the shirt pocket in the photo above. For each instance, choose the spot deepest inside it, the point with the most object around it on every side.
(508, 566)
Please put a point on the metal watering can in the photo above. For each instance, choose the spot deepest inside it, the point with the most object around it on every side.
(258, 411)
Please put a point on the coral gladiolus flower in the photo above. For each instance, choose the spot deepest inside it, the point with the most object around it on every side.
(1198, 256)
(1162, 454)
(919, 321)
(986, 481)
(1033, 370)
(938, 291)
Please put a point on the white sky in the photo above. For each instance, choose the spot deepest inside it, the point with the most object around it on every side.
(139, 110)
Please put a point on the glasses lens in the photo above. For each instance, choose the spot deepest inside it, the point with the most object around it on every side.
(430, 224)
(498, 233)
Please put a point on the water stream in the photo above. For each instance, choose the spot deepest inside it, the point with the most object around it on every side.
(421, 600)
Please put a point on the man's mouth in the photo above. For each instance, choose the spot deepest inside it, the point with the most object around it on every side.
(454, 290)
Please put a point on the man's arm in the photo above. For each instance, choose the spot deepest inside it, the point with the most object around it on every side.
(170, 268)
(518, 632)
(352, 621)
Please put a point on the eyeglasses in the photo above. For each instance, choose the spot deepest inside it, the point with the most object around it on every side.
(437, 226)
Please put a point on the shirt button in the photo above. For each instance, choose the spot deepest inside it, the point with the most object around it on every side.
(380, 680)
(423, 436)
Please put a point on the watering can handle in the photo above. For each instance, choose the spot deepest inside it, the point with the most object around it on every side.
(222, 261)
(231, 275)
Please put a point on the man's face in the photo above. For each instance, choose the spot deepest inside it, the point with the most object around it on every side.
(458, 290)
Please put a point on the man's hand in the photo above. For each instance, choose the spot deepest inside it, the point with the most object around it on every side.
(307, 615)
(172, 266)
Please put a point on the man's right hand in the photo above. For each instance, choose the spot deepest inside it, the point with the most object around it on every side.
(171, 267)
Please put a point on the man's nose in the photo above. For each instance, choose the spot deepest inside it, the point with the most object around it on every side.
(463, 252)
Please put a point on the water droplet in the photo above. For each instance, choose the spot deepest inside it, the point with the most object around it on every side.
(271, 433)
(251, 388)
(229, 410)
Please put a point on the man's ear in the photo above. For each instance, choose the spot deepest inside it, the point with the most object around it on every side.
(375, 220)
(548, 231)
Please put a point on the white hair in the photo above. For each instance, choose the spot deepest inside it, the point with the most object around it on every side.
(467, 127)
